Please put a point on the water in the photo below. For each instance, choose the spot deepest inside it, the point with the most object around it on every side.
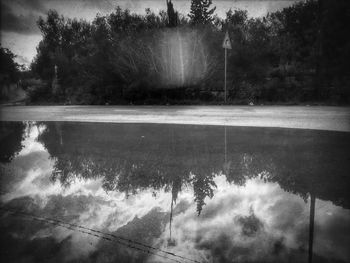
(87, 192)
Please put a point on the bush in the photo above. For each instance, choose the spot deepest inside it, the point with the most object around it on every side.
(39, 93)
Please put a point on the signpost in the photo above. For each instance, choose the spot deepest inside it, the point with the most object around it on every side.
(226, 45)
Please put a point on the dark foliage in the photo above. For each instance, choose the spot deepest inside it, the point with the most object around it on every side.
(11, 136)
(298, 54)
(9, 73)
(200, 12)
(172, 15)
(9, 69)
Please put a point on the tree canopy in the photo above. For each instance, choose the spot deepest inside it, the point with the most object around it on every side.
(200, 12)
(297, 54)
(9, 69)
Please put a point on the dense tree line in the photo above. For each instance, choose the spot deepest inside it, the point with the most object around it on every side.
(300, 53)
(9, 72)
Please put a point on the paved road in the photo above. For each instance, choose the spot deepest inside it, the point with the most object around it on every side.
(320, 117)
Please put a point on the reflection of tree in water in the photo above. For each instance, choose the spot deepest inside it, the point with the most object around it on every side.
(203, 187)
(132, 158)
(250, 224)
(11, 137)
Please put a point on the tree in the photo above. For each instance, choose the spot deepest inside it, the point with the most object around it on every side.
(299, 53)
(9, 73)
(237, 17)
(333, 50)
(12, 135)
(203, 186)
(9, 70)
(172, 15)
(51, 30)
(200, 12)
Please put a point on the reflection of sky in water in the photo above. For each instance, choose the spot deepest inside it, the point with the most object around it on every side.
(258, 220)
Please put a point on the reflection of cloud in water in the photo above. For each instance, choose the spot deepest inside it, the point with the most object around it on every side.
(240, 223)
(30, 144)
(279, 226)
(282, 219)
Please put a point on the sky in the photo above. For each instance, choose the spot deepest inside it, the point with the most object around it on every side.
(20, 34)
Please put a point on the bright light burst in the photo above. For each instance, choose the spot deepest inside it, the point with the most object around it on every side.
(184, 58)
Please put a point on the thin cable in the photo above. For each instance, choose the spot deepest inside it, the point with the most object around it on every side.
(86, 232)
(103, 235)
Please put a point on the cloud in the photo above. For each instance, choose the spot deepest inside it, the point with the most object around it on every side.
(22, 45)
(22, 60)
(259, 220)
(20, 16)
(30, 5)
(42, 6)
(20, 23)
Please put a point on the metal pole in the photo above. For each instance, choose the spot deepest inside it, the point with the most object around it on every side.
(311, 226)
(225, 70)
(225, 147)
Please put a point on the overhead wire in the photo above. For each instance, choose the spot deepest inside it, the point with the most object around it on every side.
(106, 236)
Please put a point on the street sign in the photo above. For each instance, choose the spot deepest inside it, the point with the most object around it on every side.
(227, 42)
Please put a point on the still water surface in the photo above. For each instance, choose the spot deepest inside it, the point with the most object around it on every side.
(85, 192)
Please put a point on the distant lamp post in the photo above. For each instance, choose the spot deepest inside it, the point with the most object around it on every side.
(226, 45)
